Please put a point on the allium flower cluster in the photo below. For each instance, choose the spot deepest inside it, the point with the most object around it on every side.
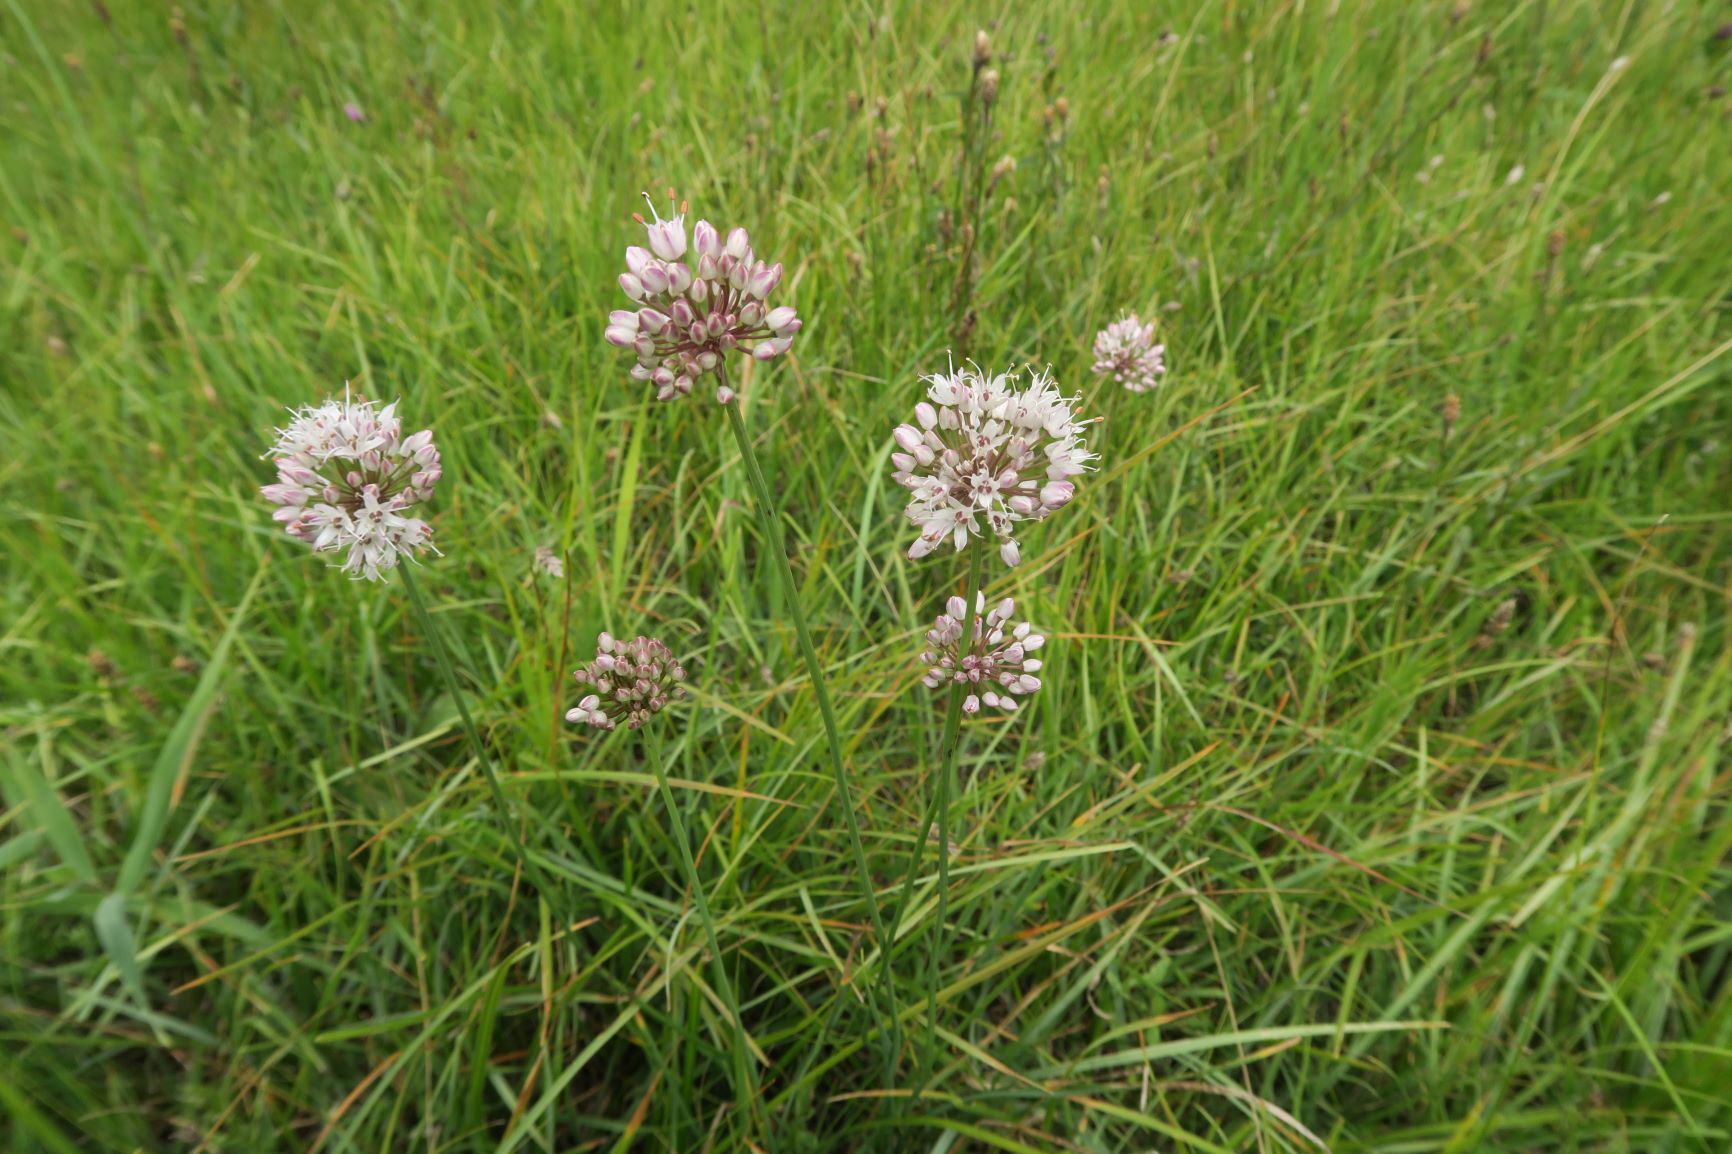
(995, 665)
(346, 476)
(633, 681)
(1126, 351)
(696, 306)
(985, 455)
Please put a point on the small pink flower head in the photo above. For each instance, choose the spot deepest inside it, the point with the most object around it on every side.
(1126, 351)
(985, 453)
(353, 112)
(345, 477)
(995, 667)
(696, 304)
(632, 682)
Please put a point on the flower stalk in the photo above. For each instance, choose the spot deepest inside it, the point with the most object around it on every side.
(772, 526)
(448, 673)
(946, 770)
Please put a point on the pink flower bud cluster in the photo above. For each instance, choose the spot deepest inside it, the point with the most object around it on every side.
(995, 667)
(345, 477)
(696, 304)
(1126, 351)
(986, 454)
(633, 681)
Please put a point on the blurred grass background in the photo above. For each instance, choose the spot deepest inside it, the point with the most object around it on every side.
(1376, 796)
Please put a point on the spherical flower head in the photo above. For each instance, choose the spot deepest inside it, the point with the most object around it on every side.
(694, 303)
(632, 682)
(986, 453)
(997, 665)
(1126, 351)
(346, 476)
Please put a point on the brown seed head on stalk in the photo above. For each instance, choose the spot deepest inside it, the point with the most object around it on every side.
(1450, 412)
(982, 50)
(989, 87)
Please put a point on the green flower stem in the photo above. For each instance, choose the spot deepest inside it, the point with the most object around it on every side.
(772, 525)
(947, 770)
(442, 658)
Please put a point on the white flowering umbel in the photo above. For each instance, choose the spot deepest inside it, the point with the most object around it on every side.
(1126, 351)
(986, 454)
(346, 477)
(696, 305)
(633, 681)
(996, 668)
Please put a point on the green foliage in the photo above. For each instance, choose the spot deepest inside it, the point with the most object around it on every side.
(1297, 845)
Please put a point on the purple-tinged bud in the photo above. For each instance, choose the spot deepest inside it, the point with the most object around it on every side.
(646, 348)
(619, 336)
(926, 415)
(699, 291)
(718, 324)
(902, 461)
(764, 350)
(624, 318)
(764, 280)
(752, 314)
(654, 277)
(663, 376)
(635, 258)
(706, 240)
(908, 437)
(683, 385)
(698, 333)
(640, 373)
(780, 318)
(708, 360)
(724, 395)
(682, 314)
(780, 345)
(1022, 505)
(1056, 493)
(679, 278)
(707, 267)
(631, 286)
(739, 244)
(652, 322)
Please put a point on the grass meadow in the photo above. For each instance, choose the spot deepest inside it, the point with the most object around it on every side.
(1376, 795)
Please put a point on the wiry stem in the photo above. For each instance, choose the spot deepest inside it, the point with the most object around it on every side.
(442, 658)
(947, 768)
(772, 525)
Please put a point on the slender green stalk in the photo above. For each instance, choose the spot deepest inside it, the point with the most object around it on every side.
(947, 769)
(442, 658)
(772, 525)
(745, 1078)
